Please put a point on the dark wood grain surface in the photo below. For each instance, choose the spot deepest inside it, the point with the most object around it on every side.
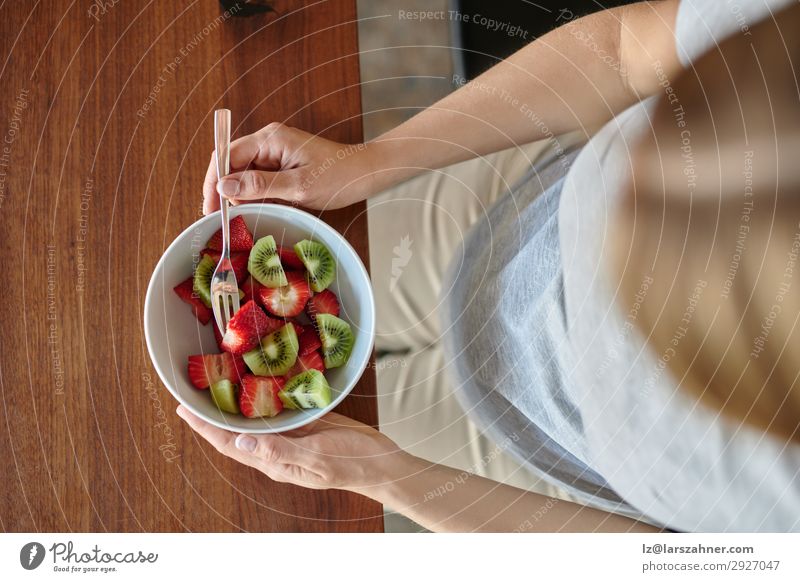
(105, 121)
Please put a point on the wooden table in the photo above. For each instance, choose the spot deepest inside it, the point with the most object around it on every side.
(106, 135)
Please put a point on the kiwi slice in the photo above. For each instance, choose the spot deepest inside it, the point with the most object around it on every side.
(319, 263)
(202, 279)
(337, 340)
(223, 393)
(276, 354)
(264, 263)
(308, 389)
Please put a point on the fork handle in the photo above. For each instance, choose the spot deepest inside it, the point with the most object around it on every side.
(222, 143)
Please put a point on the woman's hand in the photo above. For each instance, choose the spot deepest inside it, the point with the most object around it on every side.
(332, 452)
(290, 164)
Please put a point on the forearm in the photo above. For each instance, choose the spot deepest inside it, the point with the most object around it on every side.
(575, 77)
(447, 500)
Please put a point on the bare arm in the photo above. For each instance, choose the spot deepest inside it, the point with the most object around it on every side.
(573, 78)
(447, 500)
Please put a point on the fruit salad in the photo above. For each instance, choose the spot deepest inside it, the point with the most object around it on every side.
(286, 334)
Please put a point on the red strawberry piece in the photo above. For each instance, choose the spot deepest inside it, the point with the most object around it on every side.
(245, 329)
(238, 262)
(275, 324)
(186, 292)
(289, 300)
(207, 369)
(322, 302)
(241, 239)
(309, 341)
(312, 361)
(299, 328)
(289, 259)
(250, 289)
(258, 396)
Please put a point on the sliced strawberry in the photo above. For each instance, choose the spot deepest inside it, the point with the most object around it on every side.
(207, 369)
(322, 302)
(241, 239)
(186, 292)
(299, 328)
(275, 324)
(258, 396)
(309, 341)
(312, 361)
(289, 300)
(250, 289)
(245, 329)
(239, 266)
(238, 262)
(289, 259)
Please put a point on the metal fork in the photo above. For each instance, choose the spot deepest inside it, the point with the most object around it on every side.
(224, 289)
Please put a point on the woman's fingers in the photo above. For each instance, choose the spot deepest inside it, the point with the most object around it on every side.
(334, 451)
(254, 450)
(222, 440)
(265, 447)
(257, 185)
(253, 149)
(246, 150)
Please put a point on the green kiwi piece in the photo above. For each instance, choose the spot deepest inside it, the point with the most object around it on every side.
(223, 393)
(308, 389)
(319, 262)
(202, 279)
(276, 354)
(337, 340)
(264, 263)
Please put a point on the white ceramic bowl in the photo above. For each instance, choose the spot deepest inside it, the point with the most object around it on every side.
(173, 333)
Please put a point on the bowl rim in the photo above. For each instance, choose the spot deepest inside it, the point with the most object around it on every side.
(256, 208)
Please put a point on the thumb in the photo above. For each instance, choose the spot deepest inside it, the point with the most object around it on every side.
(267, 448)
(255, 185)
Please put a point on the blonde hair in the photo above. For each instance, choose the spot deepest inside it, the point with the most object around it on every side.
(713, 216)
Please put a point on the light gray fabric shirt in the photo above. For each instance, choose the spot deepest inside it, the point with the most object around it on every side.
(543, 353)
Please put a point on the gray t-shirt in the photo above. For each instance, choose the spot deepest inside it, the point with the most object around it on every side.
(548, 363)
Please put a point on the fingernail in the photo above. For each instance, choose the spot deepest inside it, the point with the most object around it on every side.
(227, 187)
(246, 443)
